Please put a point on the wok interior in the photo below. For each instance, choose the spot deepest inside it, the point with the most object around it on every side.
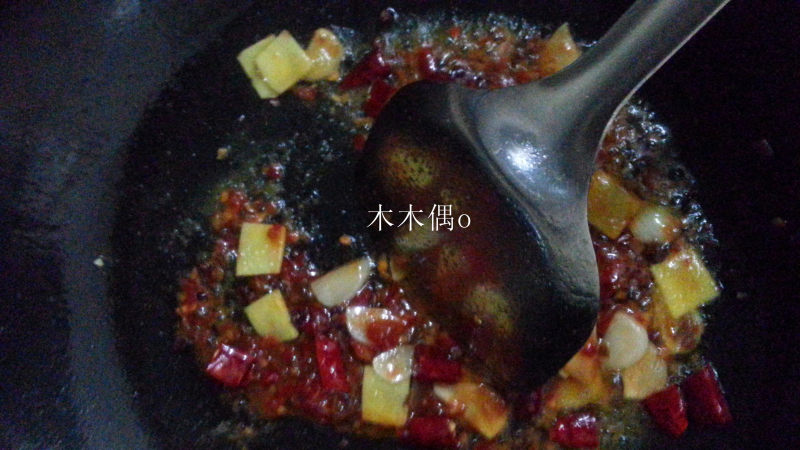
(171, 172)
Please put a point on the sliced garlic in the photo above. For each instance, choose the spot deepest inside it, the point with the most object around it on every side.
(445, 392)
(655, 224)
(395, 365)
(626, 341)
(359, 318)
(342, 283)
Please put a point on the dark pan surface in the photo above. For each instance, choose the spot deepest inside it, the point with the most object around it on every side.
(85, 170)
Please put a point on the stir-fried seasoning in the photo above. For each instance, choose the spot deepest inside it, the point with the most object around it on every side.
(639, 367)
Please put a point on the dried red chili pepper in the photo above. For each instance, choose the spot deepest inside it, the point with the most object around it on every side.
(578, 430)
(668, 410)
(379, 93)
(705, 399)
(229, 365)
(436, 431)
(431, 366)
(372, 67)
(330, 364)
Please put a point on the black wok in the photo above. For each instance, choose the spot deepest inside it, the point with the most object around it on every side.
(110, 117)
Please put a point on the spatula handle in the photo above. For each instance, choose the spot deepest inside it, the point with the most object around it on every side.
(642, 40)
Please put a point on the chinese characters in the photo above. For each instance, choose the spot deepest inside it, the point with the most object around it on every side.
(441, 218)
